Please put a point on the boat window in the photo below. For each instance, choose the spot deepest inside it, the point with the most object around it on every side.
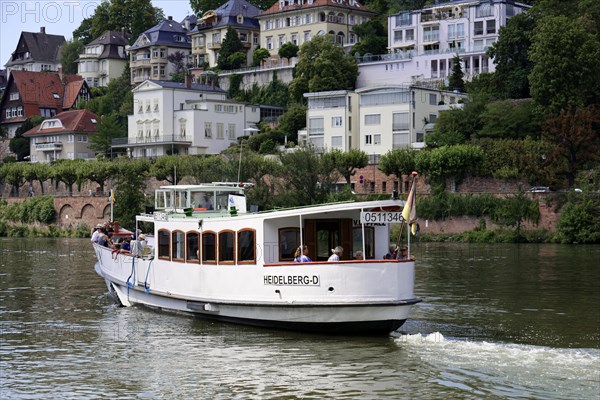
(181, 199)
(221, 200)
(178, 246)
(289, 240)
(209, 240)
(160, 200)
(357, 241)
(169, 200)
(246, 246)
(192, 247)
(203, 200)
(164, 238)
(226, 247)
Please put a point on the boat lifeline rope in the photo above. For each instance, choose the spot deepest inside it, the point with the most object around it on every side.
(131, 283)
(146, 280)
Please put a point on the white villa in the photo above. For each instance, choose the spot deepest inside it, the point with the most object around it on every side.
(423, 42)
(184, 118)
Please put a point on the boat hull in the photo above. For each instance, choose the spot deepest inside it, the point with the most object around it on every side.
(371, 319)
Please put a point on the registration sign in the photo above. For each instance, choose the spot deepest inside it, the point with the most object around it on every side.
(380, 217)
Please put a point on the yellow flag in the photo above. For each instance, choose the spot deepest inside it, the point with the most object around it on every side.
(409, 213)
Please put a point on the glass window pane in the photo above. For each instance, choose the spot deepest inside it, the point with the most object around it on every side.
(226, 240)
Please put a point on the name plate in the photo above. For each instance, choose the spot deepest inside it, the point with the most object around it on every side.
(380, 217)
(292, 280)
(159, 216)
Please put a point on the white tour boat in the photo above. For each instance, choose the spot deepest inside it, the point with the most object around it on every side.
(209, 256)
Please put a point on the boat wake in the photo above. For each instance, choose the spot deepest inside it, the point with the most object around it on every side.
(507, 370)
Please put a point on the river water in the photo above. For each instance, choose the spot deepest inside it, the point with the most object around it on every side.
(497, 321)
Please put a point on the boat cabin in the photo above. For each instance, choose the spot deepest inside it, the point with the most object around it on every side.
(216, 196)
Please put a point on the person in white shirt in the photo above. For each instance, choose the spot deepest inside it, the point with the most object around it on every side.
(337, 252)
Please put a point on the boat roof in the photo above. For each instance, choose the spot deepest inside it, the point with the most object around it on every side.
(213, 185)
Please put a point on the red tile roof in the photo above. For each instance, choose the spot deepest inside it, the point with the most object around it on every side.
(290, 6)
(73, 85)
(73, 121)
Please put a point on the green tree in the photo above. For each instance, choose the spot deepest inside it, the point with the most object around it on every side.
(259, 170)
(19, 144)
(346, 163)
(65, 171)
(516, 209)
(201, 6)
(565, 55)
(579, 221)
(373, 38)
(511, 119)
(99, 171)
(69, 55)
(510, 56)
(210, 168)
(456, 77)
(398, 162)
(171, 168)
(259, 55)
(107, 129)
(237, 59)
(449, 162)
(130, 182)
(38, 172)
(305, 178)
(135, 16)
(13, 174)
(322, 65)
(574, 134)
(231, 44)
(292, 121)
(288, 50)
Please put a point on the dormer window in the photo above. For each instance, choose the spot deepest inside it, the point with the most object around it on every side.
(94, 121)
(51, 123)
(55, 95)
(240, 19)
(14, 96)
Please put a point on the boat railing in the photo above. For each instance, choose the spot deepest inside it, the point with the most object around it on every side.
(373, 261)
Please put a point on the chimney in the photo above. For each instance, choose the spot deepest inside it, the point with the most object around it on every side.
(170, 18)
(43, 29)
(188, 80)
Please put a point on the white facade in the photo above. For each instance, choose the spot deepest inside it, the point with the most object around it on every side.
(169, 118)
(332, 120)
(422, 43)
(375, 119)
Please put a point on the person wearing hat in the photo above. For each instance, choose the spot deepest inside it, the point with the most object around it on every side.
(337, 253)
(96, 233)
(137, 246)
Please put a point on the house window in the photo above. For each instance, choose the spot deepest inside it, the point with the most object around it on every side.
(484, 10)
(409, 35)
(315, 126)
(306, 36)
(231, 131)
(403, 19)
(377, 138)
(294, 38)
(269, 43)
(478, 28)
(208, 129)
(220, 130)
(400, 122)
(398, 36)
(373, 119)
(192, 247)
(14, 96)
(246, 246)
(432, 99)
(308, 19)
(19, 111)
(182, 127)
(336, 142)
(351, 19)
(490, 26)
(70, 138)
(432, 118)
(336, 121)
(226, 247)
(340, 18)
(289, 240)
(368, 139)
(208, 247)
(243, 36)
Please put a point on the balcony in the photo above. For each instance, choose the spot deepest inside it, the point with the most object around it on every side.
(151, 140)
(213, 45)
(57, 146)
(140, 63)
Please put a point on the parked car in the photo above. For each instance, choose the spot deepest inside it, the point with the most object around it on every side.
(539, 189)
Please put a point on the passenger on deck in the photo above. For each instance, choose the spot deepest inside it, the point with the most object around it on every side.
(392, 254)
(302, 256)
(403, 255)
(359, 255)
(206, 202)
(337, 253)
(96, 233)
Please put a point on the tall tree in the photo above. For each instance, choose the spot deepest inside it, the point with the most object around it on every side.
(565, 56)
(574, 133)
(346, 163)
(456, 78)
(108, 129)
(510, 56)
(69, 54)
(288, 50)
(398, 162)
(322, 65)
(231, 45)
(19, 144)
(130, 182)
(373, 38)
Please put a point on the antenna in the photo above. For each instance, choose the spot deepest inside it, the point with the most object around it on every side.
(240, 162)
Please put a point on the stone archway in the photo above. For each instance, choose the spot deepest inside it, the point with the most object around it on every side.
(67, 215)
